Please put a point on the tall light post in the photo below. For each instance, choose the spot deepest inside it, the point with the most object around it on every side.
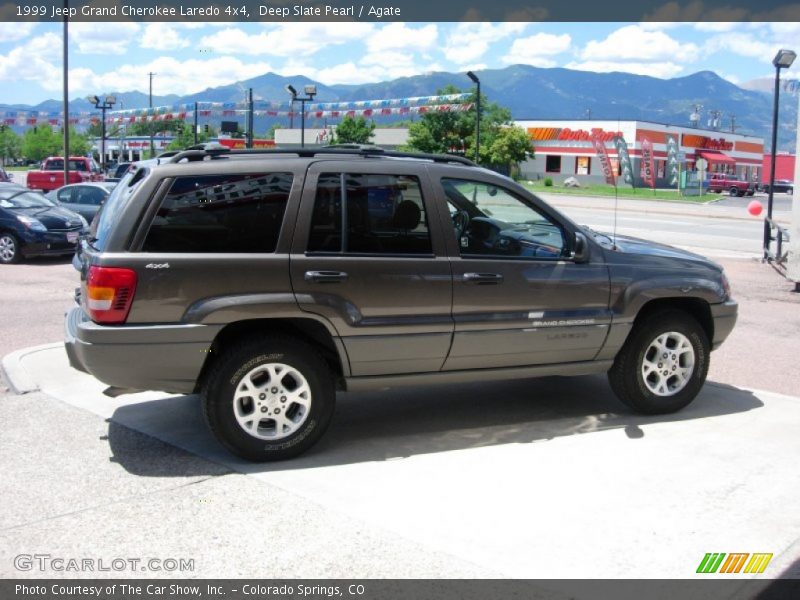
(477, 82)
(104, 105)
(310, 91)
(783, 60)
(150, 103)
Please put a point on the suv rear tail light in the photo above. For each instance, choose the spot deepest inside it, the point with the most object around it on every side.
(109, 294)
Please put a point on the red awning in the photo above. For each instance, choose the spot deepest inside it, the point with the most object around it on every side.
(715, 156)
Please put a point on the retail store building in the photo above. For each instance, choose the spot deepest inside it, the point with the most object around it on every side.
(563, 148)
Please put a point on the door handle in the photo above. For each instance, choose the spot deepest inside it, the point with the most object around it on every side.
(326, 276)
(483, 278)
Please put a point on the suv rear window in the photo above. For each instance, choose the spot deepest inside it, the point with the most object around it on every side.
(221, 214)
(114, 207)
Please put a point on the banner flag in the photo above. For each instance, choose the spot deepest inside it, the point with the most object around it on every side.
(647, 171)
(672, 159)
(624, 159)
(602, 156)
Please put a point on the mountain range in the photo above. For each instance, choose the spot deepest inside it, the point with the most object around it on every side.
(530, 93)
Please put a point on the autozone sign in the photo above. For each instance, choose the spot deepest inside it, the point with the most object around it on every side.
(691, 140)
(571, 135)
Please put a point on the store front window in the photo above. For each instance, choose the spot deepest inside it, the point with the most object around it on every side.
(583, 165)
(552, 164)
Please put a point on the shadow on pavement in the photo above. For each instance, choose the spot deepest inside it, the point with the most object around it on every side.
(412, 421)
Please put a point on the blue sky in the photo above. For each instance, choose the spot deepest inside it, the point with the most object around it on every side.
(189, 57)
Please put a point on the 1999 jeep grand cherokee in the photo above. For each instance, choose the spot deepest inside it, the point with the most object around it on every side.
(266, 281)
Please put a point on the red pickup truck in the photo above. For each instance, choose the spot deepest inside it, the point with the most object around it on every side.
(720, 182)
(51, 174)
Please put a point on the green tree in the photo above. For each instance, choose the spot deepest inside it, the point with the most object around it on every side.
(184, 136)
(78, 142)
(353, 130)
(502, 144)
(40, 142)
(508, 146)
(10, 144)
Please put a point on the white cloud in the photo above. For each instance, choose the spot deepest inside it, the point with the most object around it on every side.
(661, 69)
(537, 49)
(287, 39)
(749, 45)
(172, 76)
(632, 42)
(733, 78)
(371, 68)
(468, 42)
(162, 36)
(34, 62)
(103, 38)
(398, 35)
(12, 32)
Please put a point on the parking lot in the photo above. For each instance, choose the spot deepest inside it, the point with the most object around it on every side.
(541, 478)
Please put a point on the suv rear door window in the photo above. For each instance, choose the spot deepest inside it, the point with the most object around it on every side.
(385, 214)
(235, 213)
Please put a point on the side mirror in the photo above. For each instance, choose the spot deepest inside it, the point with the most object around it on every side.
(580, 253)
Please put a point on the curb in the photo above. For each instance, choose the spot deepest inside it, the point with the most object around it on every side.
(18, 378)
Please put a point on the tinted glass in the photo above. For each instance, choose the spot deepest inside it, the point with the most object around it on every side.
(221, 213)
(92, 196)
(491, 221)
(114, 207)
(385, 214)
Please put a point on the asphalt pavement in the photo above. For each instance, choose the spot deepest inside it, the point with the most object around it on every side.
(529, 479)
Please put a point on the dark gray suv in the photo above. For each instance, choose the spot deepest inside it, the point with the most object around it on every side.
(267, 281)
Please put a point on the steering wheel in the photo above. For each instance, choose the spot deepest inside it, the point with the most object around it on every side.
(460, 222)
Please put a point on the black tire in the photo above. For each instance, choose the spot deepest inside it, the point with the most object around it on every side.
(734, 191)
(243, 359)
(10, 251)
(626, 375)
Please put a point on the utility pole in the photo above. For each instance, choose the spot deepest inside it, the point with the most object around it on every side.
(250, 118)
(195, 123)
(66, 94)
(152, 147)
(733, 123)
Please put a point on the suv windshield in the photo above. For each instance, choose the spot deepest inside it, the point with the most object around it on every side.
(24, 200)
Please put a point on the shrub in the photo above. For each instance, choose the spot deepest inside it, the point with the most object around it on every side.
(548, 182)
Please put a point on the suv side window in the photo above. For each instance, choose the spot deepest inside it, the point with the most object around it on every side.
(493, 222)
(385, 214)
(221, 213)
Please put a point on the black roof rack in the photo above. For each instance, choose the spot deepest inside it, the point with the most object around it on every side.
(203, 151)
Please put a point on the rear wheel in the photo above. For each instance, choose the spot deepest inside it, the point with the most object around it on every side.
(269, 399)
(663, 364)
(734, 191)
(9, 248)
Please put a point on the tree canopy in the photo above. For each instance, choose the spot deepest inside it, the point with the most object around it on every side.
(354, 130)
(42, 141)
(10, 144)
(501, 144)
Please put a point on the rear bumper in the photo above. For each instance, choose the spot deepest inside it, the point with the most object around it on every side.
(166, 358)
(724, 316)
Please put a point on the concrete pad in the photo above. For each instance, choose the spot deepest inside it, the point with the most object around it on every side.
(65, 494)
(541, 478)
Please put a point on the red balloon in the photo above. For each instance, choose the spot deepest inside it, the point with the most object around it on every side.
(754, 208)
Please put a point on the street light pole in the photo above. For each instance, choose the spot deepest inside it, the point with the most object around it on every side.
(65, 75)
(104, 104)
(310, 91)
(783, 60)
(152, 147)
(477, 82)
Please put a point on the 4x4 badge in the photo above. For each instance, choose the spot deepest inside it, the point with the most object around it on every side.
(157, 266)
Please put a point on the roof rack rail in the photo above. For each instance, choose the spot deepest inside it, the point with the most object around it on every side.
(201, 151)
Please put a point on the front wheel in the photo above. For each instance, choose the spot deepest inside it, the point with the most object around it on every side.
(663, 364)
(9, 249)
(269, 399)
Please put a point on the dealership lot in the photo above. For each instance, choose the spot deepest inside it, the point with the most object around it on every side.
(542, 478)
